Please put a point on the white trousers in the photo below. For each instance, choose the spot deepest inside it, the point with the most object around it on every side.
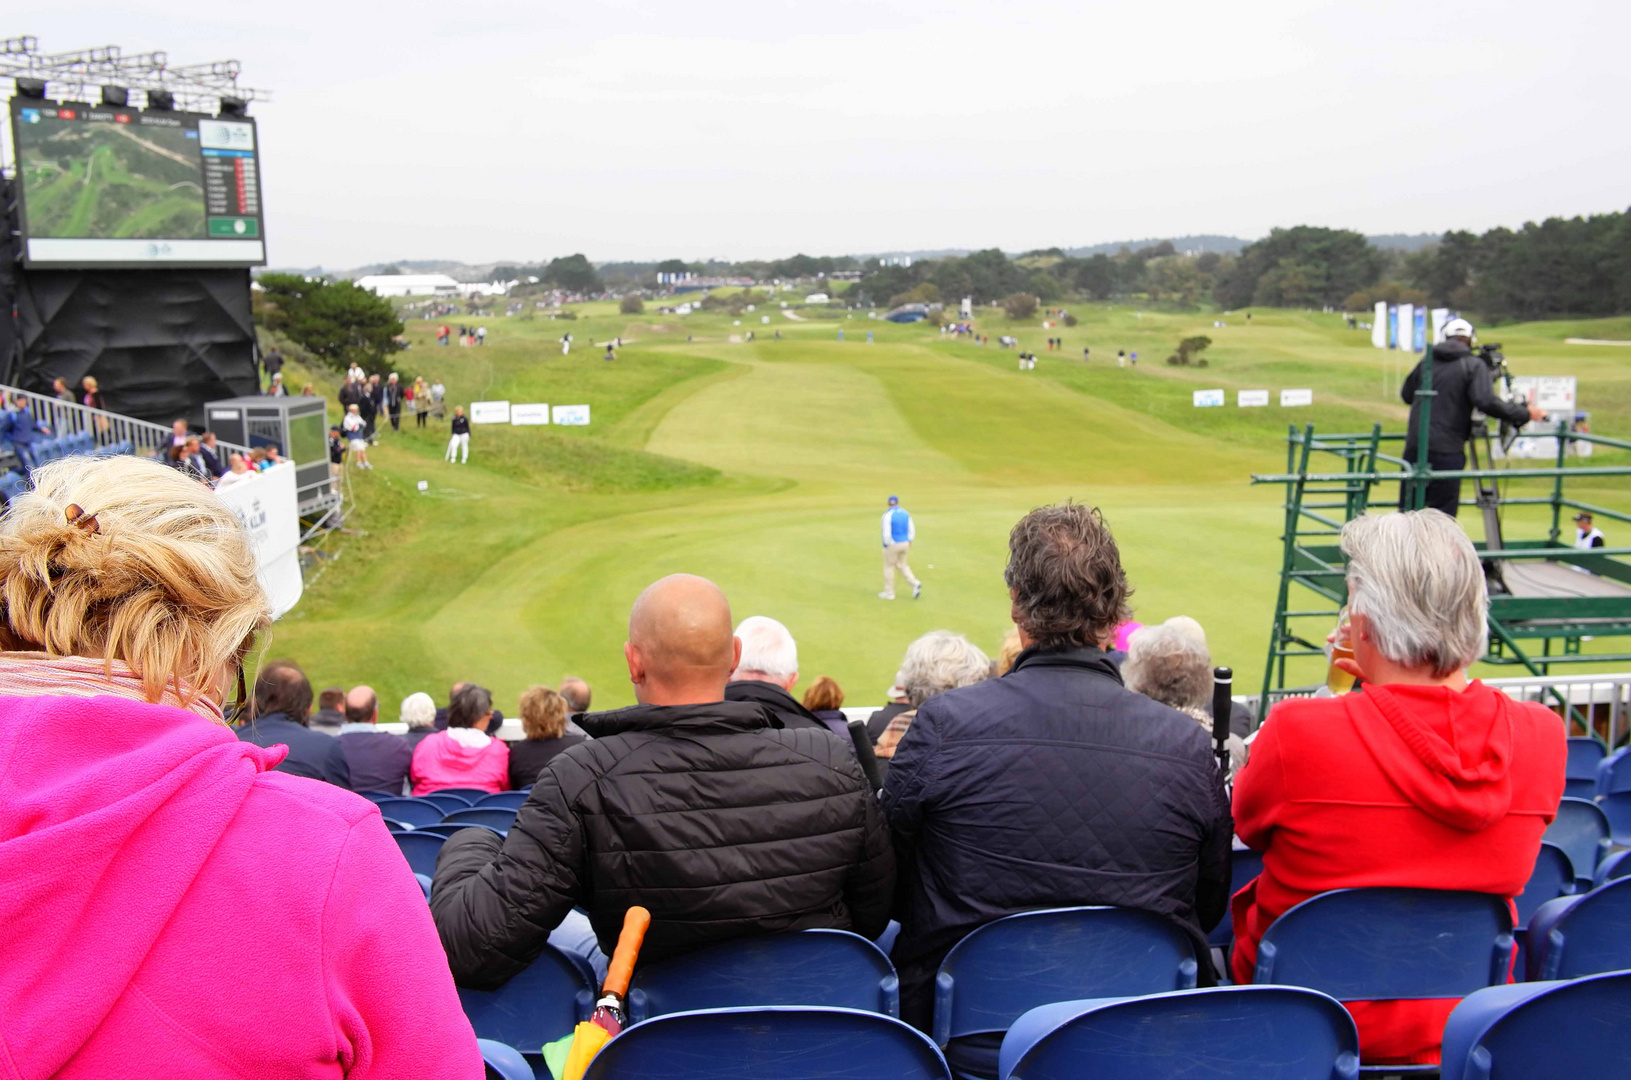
(894, 558)
(456, 443)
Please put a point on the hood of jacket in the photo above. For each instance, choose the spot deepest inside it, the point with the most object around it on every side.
(1448, 752)
(782, 705)
(101, 838)
(448, 752)
(717, 716)
(1451, 351)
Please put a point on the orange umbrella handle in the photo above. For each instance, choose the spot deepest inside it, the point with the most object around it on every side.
(621, 969)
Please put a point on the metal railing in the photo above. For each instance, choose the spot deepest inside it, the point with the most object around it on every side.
(106, 428)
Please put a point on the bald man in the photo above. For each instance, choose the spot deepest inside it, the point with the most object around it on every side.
(377, 759)
(721, 823)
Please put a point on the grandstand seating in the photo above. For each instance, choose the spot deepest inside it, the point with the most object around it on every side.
(421, 850)
(446, 801)
(503, 800)
(504, 1062)
(424, 883)
(1580, 775)
(813, 967)
(1614, 794)
(380, 796)
(12, 484)
(1582, 934)
(1582, 831)
(1015, 964)
(1553, 877)
(470, 795)
(499, 820)
(785, 1042)
(1617, 865)
(539, 1005)
(1256, 1032)
(415, 812)
(1245, 866)
(444, 828)
(1542, 1029)
(399, 826)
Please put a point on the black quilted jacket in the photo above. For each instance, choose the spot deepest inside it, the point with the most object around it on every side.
(1053, 786)
(720, 824)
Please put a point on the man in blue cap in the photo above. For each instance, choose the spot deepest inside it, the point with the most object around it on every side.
(898, 534)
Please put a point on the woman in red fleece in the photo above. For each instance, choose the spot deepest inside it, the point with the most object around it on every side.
(1421, 780)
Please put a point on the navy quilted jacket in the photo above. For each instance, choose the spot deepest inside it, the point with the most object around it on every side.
(1052, 786)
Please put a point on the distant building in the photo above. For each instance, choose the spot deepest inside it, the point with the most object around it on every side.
(409, 285)
(816, 298)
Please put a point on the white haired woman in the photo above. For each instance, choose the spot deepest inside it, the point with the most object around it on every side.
(1170, 663)
(935, 663)
(418, 711)
(154, 863)
(1422, 779)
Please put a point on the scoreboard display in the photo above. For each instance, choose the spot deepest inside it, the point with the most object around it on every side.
(116, 187)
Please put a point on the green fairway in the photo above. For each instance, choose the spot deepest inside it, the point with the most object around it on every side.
(765, 466)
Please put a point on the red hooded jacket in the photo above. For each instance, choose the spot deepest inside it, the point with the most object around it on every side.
(1411, 786)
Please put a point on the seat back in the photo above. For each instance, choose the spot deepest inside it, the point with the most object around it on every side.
(1616, 808)
(1389, 944)
(1261, 1032)
(1542, 1029)
(1582, 831)
(784, 1042)
(1582, 935)
(1010, 966)
(503, 1062)
(446, 803)
(542, 1003)
(443, 828)
(1614, 773)
(380, 796)
(420, 849)
(1245, 865)
(814, 967)
(1553, 877)
(1616, 866)
(502, 800)
(499, 820)
(470, 795)
(415, 812)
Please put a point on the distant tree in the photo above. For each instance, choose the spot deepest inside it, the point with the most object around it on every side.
(1020, 306)
(673, 266)
(1096, 276)
(631, 305)
(925, 293)
(335, 321)
(1045, 285)
(1301, 266)
(1189, 351)
(574, 273)
(1173, 277)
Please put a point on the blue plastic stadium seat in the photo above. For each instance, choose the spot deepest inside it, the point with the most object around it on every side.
(1580, 775)
(1542, 1029)
(443, 828)
(1581, 830)
(420, 849)
(1616, 808)
(1616, 866)
(495, 819)
(1582, 935)
(83, 443)
(504, 1062)
(503, 800)
(424, 883)
(813, 967)
(416, 812)
(378, 796)
(1553, 877)
(784, 1043)
(1255, 1032)
(1614, 772)
(401, 826)
(470, 795)
(539, 1005)
(1012, 965)
(447, 803)
(1245, 865)
(12, 484)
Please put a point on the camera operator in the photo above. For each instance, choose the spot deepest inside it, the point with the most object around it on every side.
(1462, 381)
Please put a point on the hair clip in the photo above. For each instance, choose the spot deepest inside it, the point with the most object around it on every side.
(79, 519)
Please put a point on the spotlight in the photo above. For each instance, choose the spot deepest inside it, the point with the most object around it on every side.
(161, 99)
(234, 106)
(31, 88)
(116, 96)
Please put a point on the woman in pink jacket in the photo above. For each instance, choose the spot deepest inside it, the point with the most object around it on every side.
(171, 907)
(463, 756)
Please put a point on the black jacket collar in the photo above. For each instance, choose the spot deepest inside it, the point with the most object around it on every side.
(716, 716)
(1082, 657)
(772, 697)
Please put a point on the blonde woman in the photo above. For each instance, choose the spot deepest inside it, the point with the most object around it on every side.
(154, 862)
(543, 721)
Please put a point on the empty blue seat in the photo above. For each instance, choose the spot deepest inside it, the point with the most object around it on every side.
(1249, 1032)
(1542, 1029)
(1614, 773)
(445, 802)
(504, 1062)
(814, 967)
(1553, 877)
(470, 795)
(1616, 808)
(380, 796)
(539, 1005)
(1012, 965)
(12, 484)
(1580, 775)
(784, 1043)
(443, 828)
(82, 443)
(424, 883)
(1582, 831)
(495, 819)
(1581, 935)
(420, 849)
(392, 825)
(504, 800)
(1245, 865)
(415, 812)
(1616, 866)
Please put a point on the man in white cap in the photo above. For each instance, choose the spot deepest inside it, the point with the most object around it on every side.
(898, 534)
(1462, 382)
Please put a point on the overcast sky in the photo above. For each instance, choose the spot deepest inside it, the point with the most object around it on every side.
(646, 130)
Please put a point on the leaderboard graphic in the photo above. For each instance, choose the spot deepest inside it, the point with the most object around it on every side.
(111, 186)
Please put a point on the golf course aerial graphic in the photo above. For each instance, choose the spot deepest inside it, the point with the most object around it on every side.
(98, 179)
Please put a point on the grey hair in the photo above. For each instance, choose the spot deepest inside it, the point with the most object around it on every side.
(768, 648)
(470, 704)
(1416, 578)
(418, 710)
(1168, 663)
(939, 661)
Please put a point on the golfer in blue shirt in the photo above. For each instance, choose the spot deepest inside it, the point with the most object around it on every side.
(898, 534)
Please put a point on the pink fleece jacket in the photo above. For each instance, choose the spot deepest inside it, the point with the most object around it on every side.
(442, 761)
(169, 907)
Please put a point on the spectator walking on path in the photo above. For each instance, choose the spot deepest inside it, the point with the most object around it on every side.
(1107, 797)
(721, 824)
(355, 429)
(377, 760)
(459, 440)
(438, 392)
(393, 401)
(767, 672)
(898, 533)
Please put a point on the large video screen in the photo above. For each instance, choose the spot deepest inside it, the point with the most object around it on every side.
(104, 186)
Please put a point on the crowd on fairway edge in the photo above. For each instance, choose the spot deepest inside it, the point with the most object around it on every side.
(188, 897)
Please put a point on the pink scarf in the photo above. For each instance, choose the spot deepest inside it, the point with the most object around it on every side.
(37, 674)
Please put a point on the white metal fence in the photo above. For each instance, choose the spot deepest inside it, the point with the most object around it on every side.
(106, 428)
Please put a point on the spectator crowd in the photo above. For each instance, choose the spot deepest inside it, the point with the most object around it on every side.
(1070, 771)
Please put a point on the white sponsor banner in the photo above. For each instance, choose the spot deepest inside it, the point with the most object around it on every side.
(529, 414)
(1438, 317)
(1554, 393)
(489, 412)
(267, 507)
(1292, 398)
(226, 135)
(1208, 399)
(1407, 329)
(140, 251)
(570, 414)
(1378, 326)
(1557, 395)
(1251, 399)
